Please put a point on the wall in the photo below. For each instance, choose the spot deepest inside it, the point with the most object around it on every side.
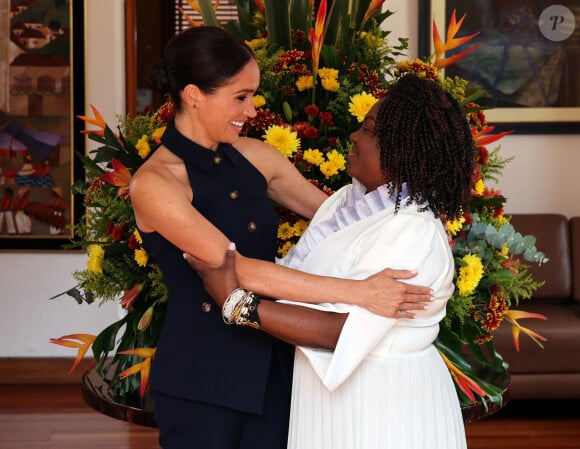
(542, 178)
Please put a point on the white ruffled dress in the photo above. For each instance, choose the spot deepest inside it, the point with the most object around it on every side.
(385, 385)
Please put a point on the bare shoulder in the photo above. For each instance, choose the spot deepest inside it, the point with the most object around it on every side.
(263, 156)
(153, 171)
(161, 175)
(249, 146)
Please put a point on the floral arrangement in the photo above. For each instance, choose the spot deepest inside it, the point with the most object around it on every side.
(316, 87)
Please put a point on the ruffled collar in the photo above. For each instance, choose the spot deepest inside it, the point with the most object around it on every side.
(356, 205)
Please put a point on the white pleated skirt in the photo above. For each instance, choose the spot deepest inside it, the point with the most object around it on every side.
(403, 401)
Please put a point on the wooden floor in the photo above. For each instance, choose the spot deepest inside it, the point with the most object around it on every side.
(55, 417)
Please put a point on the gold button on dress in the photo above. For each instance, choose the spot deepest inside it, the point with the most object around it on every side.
(206, 307)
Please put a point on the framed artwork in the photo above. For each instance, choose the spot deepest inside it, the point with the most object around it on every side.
(41, 93)
(528, 59)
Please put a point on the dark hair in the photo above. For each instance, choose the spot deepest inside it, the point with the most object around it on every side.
(205, 56)
(425, 142)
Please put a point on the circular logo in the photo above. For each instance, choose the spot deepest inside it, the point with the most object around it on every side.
(557, 23)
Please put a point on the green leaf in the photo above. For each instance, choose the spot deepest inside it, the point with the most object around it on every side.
(106, 340)
(208, 13)
(278, 23)
(300, 15)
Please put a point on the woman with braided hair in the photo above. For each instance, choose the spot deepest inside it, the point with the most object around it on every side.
(361, 380)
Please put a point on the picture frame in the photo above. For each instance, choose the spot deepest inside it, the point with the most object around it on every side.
(527, 60)
(42, 91)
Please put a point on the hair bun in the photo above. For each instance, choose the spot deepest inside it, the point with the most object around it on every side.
(157, 78)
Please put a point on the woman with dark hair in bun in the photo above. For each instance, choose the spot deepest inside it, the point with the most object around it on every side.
(217, 386)
(364, 381)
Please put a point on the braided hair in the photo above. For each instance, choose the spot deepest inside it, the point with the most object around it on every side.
(426, 143)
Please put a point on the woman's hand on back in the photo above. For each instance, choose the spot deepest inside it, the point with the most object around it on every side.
(385, 294)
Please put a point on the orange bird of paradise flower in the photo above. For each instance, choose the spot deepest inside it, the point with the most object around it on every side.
(119, 177)
(452, 42)
(316, 36)
(465, 383)
(143, 367)
(84, 343)
(97, 121)
(483, 137)
(374, 6)
(511, 316)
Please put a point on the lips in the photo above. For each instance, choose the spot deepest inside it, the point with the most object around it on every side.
(238, 125)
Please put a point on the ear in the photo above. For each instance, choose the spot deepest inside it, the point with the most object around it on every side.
(191, 95)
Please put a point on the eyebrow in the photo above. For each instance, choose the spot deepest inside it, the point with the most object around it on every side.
(244, 91)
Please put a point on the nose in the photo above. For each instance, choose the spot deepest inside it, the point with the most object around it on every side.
(353, 135)
(250, 109)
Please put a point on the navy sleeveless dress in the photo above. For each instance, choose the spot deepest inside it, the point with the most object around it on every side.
(199, 358)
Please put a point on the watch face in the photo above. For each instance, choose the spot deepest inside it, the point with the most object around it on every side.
(231, 304)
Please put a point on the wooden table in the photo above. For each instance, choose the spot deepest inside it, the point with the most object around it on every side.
(140, 410)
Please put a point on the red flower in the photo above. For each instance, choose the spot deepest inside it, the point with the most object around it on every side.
(300, 128)
(326, 118)
(130, 296)
(133, 243)
(312, 110)
(311, 132)
(117, 233)
(483, 155)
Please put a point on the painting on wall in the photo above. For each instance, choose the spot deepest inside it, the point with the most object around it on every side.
(41, 92)
(528, 58)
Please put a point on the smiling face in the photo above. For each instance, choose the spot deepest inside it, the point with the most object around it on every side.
(364, 161)
(220, 115)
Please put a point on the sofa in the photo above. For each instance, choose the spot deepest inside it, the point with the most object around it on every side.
(552, 372)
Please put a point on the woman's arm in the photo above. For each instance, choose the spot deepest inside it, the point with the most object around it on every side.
(299, 326)
(161, 198)
(286, 185)
(381, 293)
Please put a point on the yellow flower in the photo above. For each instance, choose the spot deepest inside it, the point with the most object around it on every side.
(371, 40)
(96, 256)
(326, 73)
(158, 133)
(285, 231)
(141, 257)
(299, 227)
(285, 248)
(138, 236)
(283, 139)
(314, 157)
(454, 226)
(337, 158)
(257, 43)
(259, 101)
(143, 147)
(504, 251)
(469, 275)
(479, 187)
(304, 83)
(330, 84)
(360, 105)
(335, 163)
